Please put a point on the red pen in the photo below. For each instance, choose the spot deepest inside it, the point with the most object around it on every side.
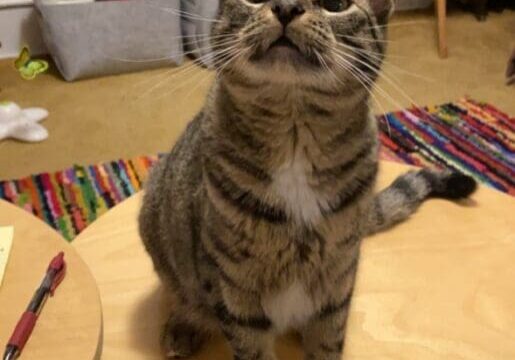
(54, 275)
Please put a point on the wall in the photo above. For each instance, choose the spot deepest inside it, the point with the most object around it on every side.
(19, 27)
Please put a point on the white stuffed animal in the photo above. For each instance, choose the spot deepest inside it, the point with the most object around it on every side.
(22, 124)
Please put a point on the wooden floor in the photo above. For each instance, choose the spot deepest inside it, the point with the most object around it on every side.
(437, 287)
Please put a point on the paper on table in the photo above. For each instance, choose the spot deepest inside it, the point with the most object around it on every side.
(6, 241)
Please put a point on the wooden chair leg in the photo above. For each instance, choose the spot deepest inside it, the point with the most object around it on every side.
(441, 12)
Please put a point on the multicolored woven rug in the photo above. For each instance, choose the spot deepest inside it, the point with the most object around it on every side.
(467, 135)
(472, 137)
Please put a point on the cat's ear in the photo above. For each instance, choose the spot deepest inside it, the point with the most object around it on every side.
(382, 9)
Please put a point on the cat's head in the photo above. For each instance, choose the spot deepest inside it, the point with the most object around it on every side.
(300, 40)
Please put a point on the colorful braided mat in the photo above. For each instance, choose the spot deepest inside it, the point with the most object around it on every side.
(467, 135)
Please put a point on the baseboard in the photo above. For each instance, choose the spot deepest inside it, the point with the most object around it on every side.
(19, 27)
(15, 3)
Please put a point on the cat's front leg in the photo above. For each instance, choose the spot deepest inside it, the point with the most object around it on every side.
(245, 325)
(324, 335)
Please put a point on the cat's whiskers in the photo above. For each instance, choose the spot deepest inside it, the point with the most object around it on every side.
(181, 69)
(183, 14)
(385, 94)
(170, 71)
(393, 83)
(182, 73)
(323, 62)
(397, 24)
(364, 39)
(382, 58)
(372, 52)
(196, 77)
(190, 16)
(175, 72)
(218, 59)
(222, 67)
(166, 77)
(209, 38)
(349, 70)
(215, 57)
(366, 82)
(406, 72)
(228, 54)
(177, 68)
(362, 78)
(171, 56)
(328, 69)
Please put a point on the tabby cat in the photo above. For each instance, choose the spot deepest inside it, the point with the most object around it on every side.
(254, 220)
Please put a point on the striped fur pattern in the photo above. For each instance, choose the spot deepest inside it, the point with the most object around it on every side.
(254, 220)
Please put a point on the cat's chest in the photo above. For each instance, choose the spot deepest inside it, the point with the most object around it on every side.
(290, 308)
(292, 184)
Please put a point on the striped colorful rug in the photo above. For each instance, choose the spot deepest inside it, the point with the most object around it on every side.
(467, 135)
(71, 199)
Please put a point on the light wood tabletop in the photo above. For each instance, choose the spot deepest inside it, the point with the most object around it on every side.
(70, 324)
(440, 286)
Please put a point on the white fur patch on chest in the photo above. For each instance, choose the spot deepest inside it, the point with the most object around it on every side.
(290, 182)
(289, 308)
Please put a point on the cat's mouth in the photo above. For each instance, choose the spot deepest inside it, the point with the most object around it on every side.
(284, 50)
(284, 42)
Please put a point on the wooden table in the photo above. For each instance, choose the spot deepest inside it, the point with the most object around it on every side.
(441, 286)
(69, 327)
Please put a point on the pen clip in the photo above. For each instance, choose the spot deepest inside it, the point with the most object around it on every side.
(58, 265)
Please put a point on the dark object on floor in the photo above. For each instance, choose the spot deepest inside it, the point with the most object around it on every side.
(510, 71)
(482, 7)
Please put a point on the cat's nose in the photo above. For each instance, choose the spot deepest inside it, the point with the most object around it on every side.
(287, 11)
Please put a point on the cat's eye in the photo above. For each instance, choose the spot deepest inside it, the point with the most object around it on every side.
(257, 1)
(334, 5)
